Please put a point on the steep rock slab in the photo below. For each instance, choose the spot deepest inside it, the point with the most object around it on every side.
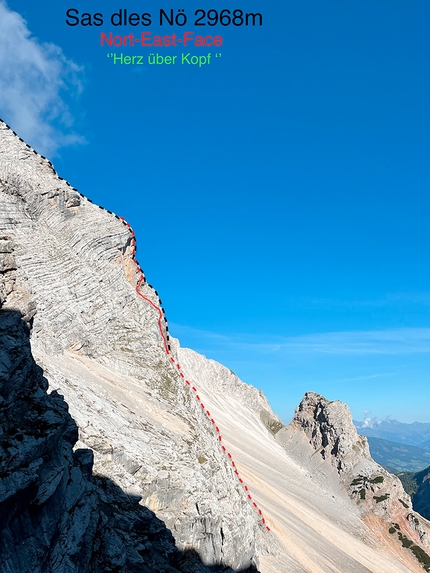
(75, 260)
(53, 516)
(315, 526)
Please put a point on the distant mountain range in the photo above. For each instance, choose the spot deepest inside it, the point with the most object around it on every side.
(397, 446)
(416, 434)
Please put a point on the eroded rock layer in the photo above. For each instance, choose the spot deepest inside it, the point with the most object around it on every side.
(54, 516)
(101, 347)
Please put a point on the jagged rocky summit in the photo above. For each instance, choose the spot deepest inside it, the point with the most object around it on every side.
(146, 476)
(340, 455)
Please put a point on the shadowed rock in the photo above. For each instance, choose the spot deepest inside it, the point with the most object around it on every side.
(54, 516)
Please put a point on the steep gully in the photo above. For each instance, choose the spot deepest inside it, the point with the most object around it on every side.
(165, 337)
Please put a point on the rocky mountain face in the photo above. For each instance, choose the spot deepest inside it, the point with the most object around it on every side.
(329, 430)
(176, 465)
(54, 515)
(68, 267)
(42, 485)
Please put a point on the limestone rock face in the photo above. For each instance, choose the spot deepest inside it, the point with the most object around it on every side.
(211, 375)
(331, 432)
(67, 266)
(17, 298)
(53, 515)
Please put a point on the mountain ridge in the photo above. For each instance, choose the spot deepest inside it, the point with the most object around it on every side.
(414, 434)
(93, 259)
(89, 524)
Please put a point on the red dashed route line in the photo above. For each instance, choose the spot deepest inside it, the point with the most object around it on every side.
(193, 388)
(161, 316)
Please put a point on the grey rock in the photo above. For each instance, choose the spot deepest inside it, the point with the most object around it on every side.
(7, 263)
(53, 517)
(36, 463)
(100, 347)
(330, 431)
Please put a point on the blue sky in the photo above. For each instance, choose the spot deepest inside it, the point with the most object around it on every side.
(280, 195)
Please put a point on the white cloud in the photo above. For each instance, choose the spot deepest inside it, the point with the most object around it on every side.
(369, 421)
(33, 78)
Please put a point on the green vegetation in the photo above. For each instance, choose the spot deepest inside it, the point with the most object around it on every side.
(377, 479)
(363, 479)
(380, 498)
(271, 423)
(404, 504)
(275, 426)
(406, 542)
(417, 486)
(419, 553)
(422, 557)
(362, 482)
(409, 482)
(202, 459)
